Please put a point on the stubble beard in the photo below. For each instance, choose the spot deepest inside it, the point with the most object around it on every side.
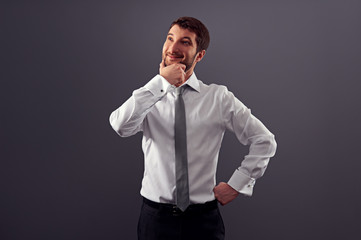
(188, 64)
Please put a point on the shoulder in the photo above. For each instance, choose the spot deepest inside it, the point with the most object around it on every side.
(215, 91)
(212, 88)
(218, 92)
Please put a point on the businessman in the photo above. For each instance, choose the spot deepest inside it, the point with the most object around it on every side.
(183, 121)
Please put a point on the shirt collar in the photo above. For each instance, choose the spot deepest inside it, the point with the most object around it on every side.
(193, 82)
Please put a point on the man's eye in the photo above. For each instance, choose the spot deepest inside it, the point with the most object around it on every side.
(170, 38)
(186, 42)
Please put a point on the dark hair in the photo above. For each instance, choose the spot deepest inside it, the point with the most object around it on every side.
(196, 26)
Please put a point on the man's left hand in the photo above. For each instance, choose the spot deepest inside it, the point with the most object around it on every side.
(224, 193)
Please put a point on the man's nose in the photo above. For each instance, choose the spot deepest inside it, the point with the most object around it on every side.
(173, 48)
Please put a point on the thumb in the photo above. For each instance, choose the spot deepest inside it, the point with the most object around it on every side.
(162, 64)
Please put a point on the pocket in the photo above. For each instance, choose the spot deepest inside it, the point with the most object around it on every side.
(150, 211)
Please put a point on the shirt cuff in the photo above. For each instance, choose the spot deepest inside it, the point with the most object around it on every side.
(242, 183)
(159, 86)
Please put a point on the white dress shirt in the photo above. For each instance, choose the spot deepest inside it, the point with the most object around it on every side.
(210, 110)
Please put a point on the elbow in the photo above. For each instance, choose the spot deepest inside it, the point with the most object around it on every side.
(263, 145)
(115, 125)
(272, 145)
(118, 130)
(118, 126)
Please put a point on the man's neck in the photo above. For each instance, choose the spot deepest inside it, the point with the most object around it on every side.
(188, 74)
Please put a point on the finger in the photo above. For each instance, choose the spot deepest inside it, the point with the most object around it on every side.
(183, 66)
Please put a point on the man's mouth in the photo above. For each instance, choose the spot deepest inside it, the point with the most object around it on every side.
(173, 57)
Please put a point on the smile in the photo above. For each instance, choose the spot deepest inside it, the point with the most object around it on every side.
(174, 57)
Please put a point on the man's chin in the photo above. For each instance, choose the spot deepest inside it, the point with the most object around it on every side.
(167, 63)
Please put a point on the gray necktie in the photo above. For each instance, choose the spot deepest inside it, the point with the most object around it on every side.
(181, 163)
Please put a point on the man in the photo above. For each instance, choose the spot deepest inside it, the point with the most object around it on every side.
(183, 122)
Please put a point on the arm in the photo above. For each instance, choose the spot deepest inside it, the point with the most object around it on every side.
(127, 119)
(249, 131)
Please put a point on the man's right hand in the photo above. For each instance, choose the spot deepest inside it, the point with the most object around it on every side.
(173, 73)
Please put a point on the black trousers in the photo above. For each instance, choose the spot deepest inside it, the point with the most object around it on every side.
(160, 221)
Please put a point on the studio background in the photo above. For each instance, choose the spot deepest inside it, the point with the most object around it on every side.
(66, 65)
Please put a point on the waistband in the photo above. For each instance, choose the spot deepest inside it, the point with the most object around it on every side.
(174, 210)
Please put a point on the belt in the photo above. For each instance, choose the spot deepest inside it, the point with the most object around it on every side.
(174, 210)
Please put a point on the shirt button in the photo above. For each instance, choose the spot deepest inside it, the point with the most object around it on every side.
(161, 90)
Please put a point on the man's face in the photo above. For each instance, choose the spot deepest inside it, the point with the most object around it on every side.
(180, 47)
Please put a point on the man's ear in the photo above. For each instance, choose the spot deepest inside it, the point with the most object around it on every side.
(200, 55)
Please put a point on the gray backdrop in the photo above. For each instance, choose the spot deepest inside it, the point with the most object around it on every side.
(65, 174)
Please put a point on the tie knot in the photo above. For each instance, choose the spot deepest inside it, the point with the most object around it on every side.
(179, 90)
